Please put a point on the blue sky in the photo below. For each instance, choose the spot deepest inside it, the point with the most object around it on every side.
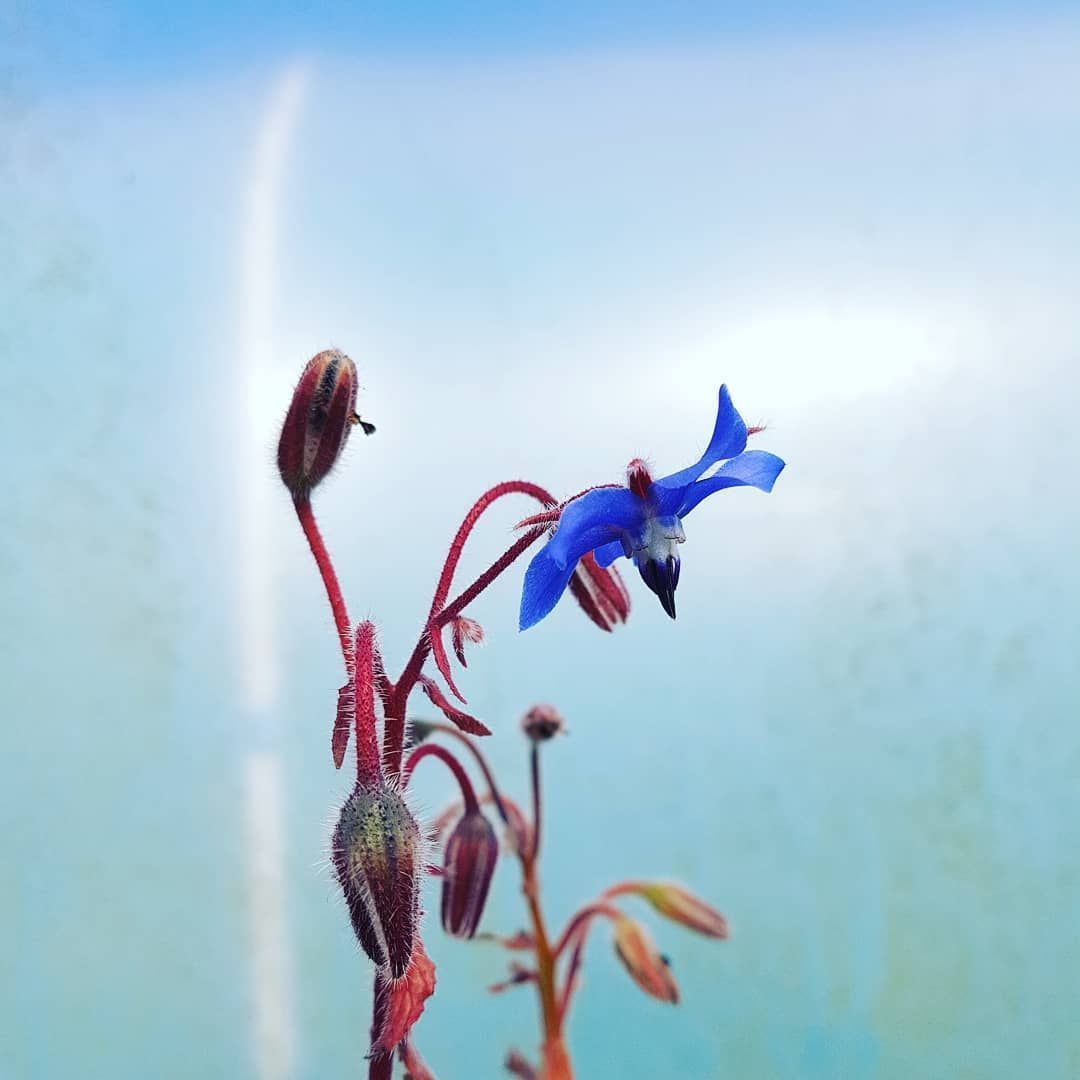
(107, 42)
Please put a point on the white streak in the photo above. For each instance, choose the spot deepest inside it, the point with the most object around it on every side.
(257, 484)
(273, 1034)
(258, 481)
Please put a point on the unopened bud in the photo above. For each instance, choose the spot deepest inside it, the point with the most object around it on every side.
(469, 863)
(600, 592)
(376, 852)
(681, 906)
(542, 722)
(646, 966)
(317, 425)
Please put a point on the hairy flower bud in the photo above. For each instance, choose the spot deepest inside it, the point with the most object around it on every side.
(646, 966)
(542, 722)
(320, 417)
(376, 852)
(468, 865)
(681, 906)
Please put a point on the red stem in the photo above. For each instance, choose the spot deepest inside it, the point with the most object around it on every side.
(452, 763)
(399, 692)
(366, 664)
(457, 545)
(326, 568)
(481, 761)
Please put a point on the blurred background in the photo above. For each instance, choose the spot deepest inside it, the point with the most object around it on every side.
(546, 235)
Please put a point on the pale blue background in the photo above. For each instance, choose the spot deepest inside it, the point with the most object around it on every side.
(546, 239)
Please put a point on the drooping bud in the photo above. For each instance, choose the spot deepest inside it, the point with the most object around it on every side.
(321, 415)
(472, 851)
(376, 853)
(542, 722)
(678, 904)
(646, 966)
(600, 592)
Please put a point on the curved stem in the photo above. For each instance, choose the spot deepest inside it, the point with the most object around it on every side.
(481, 761)
(306, 516)
(452, 763)
(457, 545)
(580, 921)
(398, 694)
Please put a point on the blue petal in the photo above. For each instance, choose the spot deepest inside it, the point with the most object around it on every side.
(588, 522)
(545, 582)
(755, 468)
(593, 519)
(606, 554)
(728, 439)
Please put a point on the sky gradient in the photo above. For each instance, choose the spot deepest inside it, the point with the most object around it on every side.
(546, 243)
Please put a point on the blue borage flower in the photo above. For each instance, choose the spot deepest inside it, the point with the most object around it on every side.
(643, 520)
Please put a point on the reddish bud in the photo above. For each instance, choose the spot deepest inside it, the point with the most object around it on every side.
(468, 865)
(600, 592)
(376, 852)
(542, 722)
(678, 904)
(646, 966)
(317, 425)
(465, 629)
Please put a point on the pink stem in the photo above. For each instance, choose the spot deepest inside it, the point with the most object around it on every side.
(577, 930)
(580, 921)
(452, 763)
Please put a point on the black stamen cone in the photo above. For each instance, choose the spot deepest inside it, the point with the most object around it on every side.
(662, 579)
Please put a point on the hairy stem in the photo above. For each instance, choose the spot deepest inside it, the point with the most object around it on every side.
(452, 763)
(306, 516)
(481, 761)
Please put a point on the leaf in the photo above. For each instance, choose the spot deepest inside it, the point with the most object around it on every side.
(452, 713)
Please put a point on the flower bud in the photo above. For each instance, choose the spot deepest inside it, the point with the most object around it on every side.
(469, 863)
(320, 417)
(646, 966)
(676, 903)
(600, 592)
(376, 852)
(542, 722)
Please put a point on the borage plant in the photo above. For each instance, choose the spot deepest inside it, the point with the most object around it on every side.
(378, 847)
